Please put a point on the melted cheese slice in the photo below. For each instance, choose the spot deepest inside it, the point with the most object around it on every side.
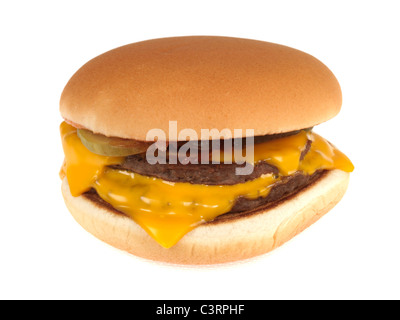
(81, 167)
(168, 210)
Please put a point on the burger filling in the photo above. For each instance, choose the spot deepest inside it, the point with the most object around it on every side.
(169, 200)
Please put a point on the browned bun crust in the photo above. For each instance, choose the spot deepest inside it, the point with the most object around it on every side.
(201, 82)
(225, 241)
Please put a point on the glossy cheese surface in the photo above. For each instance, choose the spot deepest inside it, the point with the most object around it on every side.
(168, 210)
(81, 167)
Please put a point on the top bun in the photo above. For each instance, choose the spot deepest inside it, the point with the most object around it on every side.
(202, 82)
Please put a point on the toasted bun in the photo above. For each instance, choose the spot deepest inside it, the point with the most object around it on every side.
(225, 241)
(202, 82)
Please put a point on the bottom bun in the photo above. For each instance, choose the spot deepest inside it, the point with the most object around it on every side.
(226, 241)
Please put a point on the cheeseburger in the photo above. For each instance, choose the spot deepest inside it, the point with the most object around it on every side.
(201, 149)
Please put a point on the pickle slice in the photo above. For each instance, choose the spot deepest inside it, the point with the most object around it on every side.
(111, 146)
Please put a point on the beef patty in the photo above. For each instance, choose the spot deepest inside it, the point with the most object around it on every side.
(210, 174)
(219, 174)
(283, 189)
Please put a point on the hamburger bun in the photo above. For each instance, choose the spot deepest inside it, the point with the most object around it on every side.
(200, 82)
(215, 242)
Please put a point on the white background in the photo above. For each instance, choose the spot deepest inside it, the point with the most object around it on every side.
(351, 253)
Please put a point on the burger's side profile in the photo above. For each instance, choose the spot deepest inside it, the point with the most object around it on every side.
(200, 149)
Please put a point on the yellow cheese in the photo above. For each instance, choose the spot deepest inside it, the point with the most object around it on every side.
(283, 153)
(82, 167)
(168, 210)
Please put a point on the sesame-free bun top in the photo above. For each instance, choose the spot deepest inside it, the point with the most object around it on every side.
(202, 82)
